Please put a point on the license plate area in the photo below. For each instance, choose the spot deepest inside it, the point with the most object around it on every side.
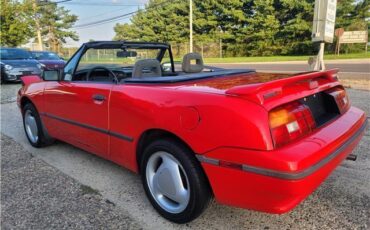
(323, 107)
(26, 72)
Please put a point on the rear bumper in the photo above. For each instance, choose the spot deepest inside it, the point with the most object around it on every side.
(276, 181)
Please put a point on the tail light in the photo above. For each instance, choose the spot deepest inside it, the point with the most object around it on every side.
(341, 99)
(290, 122)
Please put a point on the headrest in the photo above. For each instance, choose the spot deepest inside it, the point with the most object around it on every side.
(187, 67)
(147, 68)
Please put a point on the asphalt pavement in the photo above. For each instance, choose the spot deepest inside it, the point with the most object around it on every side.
(341, 202)
(352, 73)
(35, 195)
(355, 67)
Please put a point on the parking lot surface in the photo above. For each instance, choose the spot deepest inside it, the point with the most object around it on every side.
(35, 195)
(341, 202)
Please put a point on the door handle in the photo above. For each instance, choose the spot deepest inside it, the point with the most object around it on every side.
(98, 97)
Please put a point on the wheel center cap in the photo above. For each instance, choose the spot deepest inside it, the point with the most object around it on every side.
(165, 182)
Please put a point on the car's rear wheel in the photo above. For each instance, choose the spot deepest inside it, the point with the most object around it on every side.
(174, 181)
(33, 127)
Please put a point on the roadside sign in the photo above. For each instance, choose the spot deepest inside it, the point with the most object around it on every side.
(349, 37)
(353, 37)
(324, 21)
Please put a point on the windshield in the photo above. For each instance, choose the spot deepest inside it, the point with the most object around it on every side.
(14, 54)
(115, 58)
(45, 56)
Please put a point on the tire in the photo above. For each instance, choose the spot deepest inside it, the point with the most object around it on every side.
(179, 193)
(33, 127)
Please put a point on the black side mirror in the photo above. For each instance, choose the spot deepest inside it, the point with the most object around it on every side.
(51, 75)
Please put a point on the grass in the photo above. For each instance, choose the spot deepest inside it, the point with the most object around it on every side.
(283, 58)
(239, 59)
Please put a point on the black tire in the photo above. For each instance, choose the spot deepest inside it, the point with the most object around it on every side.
(200, 192)
(43, 140)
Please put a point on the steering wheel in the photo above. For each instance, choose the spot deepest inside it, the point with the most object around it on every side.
(103, 68)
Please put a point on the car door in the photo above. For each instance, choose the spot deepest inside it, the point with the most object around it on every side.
(77, 112)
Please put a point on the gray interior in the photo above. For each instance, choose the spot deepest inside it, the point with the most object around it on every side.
(147, 68)
(187, 65)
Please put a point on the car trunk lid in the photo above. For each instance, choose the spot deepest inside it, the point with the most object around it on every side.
(281, 89)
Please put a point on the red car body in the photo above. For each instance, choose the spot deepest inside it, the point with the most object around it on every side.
(224, 120)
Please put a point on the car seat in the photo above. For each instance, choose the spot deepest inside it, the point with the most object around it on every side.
(147, 68)
(188, 67)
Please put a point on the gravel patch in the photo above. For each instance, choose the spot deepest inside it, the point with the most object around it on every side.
(35, 195)
(9, 92)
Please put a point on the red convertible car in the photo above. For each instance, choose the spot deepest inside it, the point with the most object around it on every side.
(254, 140)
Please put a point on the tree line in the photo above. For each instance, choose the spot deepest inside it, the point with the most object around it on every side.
(21, 21)
(246, 27)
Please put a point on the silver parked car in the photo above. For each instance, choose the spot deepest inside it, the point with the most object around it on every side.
(16, 63)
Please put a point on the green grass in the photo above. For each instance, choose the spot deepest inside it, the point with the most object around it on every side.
(283, 58)
(239, 59)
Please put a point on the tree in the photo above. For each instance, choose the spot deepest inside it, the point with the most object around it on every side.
(345, 13)
(20, 21)
(246, 27)
(159, 22)
(16, 23)
(295, 25)
(261, 28)
(55, 25)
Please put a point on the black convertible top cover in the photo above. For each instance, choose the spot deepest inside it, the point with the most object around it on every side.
(187, 77)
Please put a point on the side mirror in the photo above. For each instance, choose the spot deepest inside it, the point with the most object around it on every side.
(51, 75)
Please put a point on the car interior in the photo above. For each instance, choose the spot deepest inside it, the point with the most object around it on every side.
(142, 68)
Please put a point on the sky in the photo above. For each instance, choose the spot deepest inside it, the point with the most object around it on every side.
(95, 10)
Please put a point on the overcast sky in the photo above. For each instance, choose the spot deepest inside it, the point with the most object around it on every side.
(95, 10)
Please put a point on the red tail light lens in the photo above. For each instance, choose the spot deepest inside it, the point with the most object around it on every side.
(290, 122)
(341, 99)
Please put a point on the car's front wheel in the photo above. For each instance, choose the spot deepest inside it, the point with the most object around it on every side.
(174, 181)
(33, 127)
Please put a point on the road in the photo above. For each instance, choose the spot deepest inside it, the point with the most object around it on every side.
(341, 202)
(349, 69)
(352, 73)
(35, 195)
(358, 67)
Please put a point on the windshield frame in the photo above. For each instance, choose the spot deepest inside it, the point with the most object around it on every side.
(163, 47)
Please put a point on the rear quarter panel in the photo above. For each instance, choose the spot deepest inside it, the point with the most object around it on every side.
(204, 121)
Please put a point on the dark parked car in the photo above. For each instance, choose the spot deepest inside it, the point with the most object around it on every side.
(49, 59)
(16, 63)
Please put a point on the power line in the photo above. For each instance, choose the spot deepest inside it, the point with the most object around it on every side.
(44, 3)
(100, 4)
(109, 12)
(107, 20)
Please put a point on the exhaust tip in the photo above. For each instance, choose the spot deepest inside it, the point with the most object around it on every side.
(352, 157)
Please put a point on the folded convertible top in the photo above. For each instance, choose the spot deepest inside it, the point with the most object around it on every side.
(187, 77)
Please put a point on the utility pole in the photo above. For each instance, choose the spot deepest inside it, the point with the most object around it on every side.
(37, 22)
(191, 24)
(220, 47)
